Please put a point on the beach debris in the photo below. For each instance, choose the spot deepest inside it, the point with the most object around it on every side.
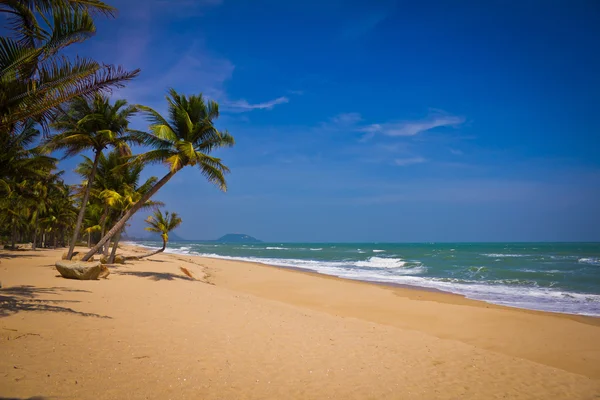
(77, 255)
(82, 270)
(187, 272)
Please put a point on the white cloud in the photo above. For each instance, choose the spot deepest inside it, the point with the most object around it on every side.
(352, 122)
(243, 105)
(196, 71)
(456, 152)
(402, 162)
(412, 128)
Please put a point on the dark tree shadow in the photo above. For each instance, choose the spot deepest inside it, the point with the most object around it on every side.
(23, 398)
(156, 276)
(25, 298)
(18, 254)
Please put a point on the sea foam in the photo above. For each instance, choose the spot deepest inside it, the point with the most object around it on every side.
(590, 260)
(380, 262)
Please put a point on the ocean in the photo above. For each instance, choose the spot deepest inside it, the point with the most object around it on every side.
(559, 277)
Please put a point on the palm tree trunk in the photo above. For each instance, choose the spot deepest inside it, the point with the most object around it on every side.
(84, 201)
(89, 240)
(113, 253)
(14, 234)
(34, 242)
(104, 219)
(152, 252)
(121, 223)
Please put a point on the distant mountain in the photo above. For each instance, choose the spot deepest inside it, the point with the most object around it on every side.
(237, 238)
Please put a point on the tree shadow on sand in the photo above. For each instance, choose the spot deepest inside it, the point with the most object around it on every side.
(25, 298)
(28, 398)
(8, 254)
(156, 276)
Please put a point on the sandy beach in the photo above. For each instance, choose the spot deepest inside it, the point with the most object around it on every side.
(239, 330)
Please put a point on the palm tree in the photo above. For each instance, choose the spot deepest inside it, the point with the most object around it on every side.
(114, 176)
(162, 224)
(61, 214)
(24, 174)
(19, 160)
(91, 125)
(186, 139)
(35, 78)
(128, 196)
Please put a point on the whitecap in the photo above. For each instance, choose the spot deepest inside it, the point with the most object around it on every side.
(589, 260)
(496, 255)
(319, 249)
(277, 248)
(378, 251)
(380, 262)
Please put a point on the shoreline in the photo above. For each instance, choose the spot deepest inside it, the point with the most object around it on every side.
(375, 282)
(418, 292)
(188, 327)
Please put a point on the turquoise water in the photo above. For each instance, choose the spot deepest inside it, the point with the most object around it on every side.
(560, 277)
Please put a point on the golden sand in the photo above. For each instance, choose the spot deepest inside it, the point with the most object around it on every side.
(247, 331)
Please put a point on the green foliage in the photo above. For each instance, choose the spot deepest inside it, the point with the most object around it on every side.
(35, 78)
(163, 223)
(187, 137)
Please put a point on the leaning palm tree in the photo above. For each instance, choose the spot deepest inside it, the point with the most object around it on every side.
(91, 125)
(126, 197)
(186, 138)
(163, 224)
(35, 77)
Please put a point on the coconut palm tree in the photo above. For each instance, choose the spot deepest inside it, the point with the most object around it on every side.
(185, 139)
(127, 197)
(61, 214)
(163, 224)
(35, 77)
(91, 125)
(24, 174)
(19, 160)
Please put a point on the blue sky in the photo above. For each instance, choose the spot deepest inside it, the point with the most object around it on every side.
(381, 120)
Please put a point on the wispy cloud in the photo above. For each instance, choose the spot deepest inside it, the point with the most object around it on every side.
(456, 152)
(209, 72)
(402, 162)
(353, 122)
(412, 128)
(243, 105)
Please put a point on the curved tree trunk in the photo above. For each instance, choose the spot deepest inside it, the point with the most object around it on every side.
(121, 223)
(84, 201)
(151, 253)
